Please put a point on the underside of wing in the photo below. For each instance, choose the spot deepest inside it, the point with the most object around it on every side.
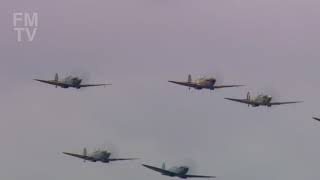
(318, 119)
(56, 83)
(227, 86)
(122, 159)
(157, 169)
(186, 84)
(92, 85)
(245, 101)
(280, 103)
(77, 155)
(199, 176)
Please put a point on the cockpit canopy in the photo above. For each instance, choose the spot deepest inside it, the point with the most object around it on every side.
(73, 80)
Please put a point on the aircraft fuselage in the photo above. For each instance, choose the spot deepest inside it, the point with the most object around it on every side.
(177, 172)
(102, 156)
(71, 81)
(262, 100)
(207, 83)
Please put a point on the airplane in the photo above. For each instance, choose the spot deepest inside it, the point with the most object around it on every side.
(202, 83)
(98, 155)
(315, 118)
(260, 100)
(180, 171)
(69, 81)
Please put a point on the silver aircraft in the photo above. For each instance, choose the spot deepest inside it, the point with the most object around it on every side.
(180, 171)
(260, 100)
(69, 81)
(98, 155)
(202, 83)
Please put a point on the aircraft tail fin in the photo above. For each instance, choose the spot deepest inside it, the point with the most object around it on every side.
(56, 78)
(164, 166)
(248, 97)
(84, 153)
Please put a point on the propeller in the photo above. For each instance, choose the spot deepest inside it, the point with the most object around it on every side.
(85, 153)
(248, 98)
(163, 166)
(56, 78)
(189, 80)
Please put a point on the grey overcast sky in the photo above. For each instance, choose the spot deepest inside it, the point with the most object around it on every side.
(271, 46)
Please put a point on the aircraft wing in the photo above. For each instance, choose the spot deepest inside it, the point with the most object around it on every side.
(78, 156)
(245, 101)
(163, 171)
(227, 86)
(91, 85)
(56, 83)
(318, 119)
(193, 85)
(122, 159)
(280, 103)
(199, 176)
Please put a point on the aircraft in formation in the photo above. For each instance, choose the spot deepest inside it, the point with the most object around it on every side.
(260, 100)
(174, 171)
(69, 81)
(98, 155)
(202, 83)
